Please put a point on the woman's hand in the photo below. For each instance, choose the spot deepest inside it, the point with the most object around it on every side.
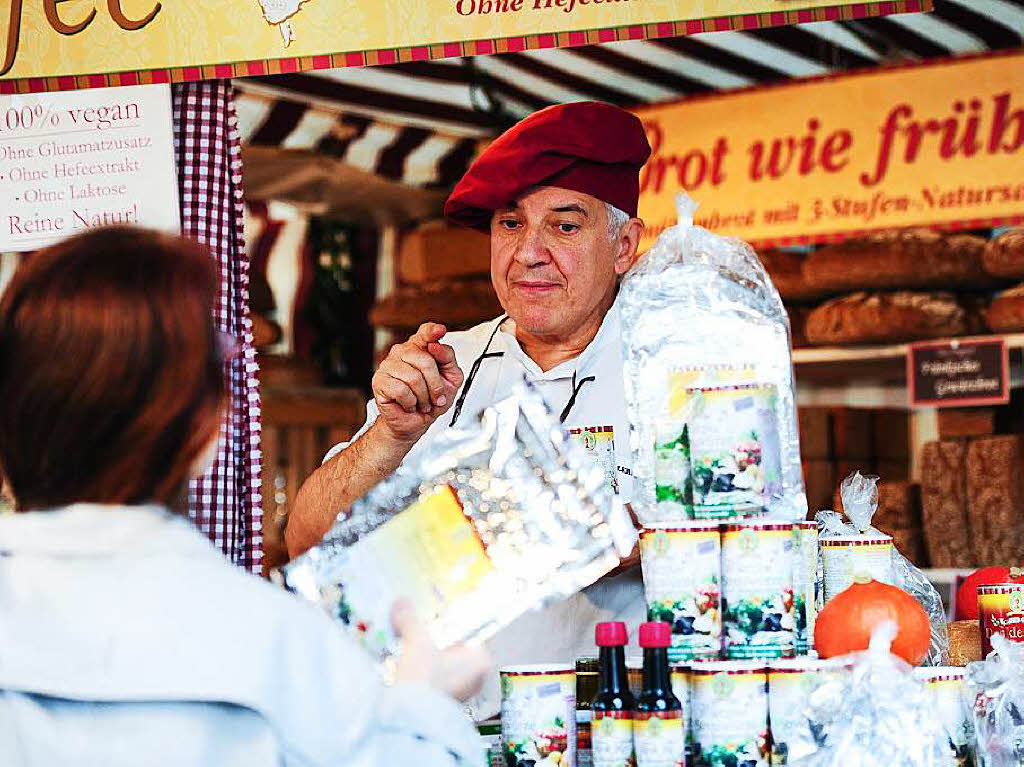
(458, 671)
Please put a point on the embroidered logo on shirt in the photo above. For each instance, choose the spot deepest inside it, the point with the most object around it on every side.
(599, 444)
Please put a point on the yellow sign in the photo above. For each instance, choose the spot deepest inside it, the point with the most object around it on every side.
(48, 39)
(932, 144)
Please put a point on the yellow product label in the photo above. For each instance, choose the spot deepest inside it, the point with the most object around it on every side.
(749, 539)
(429, 554)
(660, 739)
(540, 685)
(612, 739)
(436, 541)
(683, 383)
(662, 542)
(1011, 603)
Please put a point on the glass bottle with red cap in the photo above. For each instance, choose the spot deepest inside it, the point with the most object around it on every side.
(658, 728)
(612, 728)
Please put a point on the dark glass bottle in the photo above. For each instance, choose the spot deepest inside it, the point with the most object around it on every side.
(658, 726)
(586, 688)
(612, 728)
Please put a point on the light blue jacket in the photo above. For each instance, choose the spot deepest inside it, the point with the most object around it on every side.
(127, 639)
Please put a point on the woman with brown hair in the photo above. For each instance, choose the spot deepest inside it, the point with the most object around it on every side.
(125, 637)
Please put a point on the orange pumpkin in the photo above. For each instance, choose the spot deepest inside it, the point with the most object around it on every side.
(847, 620)
(967, 594)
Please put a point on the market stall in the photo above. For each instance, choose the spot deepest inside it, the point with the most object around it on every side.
(719, 467)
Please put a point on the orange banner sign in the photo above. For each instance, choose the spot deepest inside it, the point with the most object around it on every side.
(939, 144)
(61, 44)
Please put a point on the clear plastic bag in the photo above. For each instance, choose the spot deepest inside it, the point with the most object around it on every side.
(491, 521)
(860, 502)
(709, 382)
(998, 682)
(876, 715)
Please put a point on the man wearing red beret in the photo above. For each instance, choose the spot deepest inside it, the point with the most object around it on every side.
(558, 195)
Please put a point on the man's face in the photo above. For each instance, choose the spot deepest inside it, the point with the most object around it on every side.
(554, 260)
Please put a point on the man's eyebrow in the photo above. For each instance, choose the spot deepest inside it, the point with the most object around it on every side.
(572, 208)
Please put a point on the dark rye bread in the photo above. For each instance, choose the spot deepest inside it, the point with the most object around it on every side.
(947, 533)
(864, 318)
(786, 272)
(995, 498)
(1006, 312)
(899, 515)
(1004, 255)
(899, 506)
(907, 258)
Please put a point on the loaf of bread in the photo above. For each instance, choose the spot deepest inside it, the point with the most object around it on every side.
(786, 271)
(995, 498)
(908, 258)
(1006, 312)
(1004, 255)
(864, 318)
(457, 304)
(964, 642)
(947, 533)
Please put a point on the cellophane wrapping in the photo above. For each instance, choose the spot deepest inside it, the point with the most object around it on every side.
(875, 715)
(860, 502)
(707, 349)
(540, 510)
(998, 683)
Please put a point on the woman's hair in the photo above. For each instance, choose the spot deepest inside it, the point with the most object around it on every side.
(110, 369)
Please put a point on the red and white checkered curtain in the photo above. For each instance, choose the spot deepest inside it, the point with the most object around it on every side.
(226, 503)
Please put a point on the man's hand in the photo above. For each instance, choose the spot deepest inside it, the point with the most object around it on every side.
(413, 387)
(416, 384)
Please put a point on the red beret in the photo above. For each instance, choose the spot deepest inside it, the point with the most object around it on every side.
(585, 146)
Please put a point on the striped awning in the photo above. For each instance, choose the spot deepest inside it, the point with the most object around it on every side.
(421, 123)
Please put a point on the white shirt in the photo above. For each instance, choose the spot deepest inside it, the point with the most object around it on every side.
(599, 407)
(565, 631)
(127, 639)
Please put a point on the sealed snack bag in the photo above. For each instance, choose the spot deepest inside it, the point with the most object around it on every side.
(490, 522)
(874, 714)
(709, 382)
(998, 685)
(854, 548)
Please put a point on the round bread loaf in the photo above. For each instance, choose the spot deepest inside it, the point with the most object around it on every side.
(865, 318)
(1006, 312)
(908, 258)
(787, 273)
(1004, 256)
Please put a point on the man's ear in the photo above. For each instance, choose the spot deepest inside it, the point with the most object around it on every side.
(628, 241)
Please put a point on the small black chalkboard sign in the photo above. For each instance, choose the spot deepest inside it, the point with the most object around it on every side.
(958, 373)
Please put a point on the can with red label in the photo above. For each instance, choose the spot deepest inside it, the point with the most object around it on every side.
(1000, 611)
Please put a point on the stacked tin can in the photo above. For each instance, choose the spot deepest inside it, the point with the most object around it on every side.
(1000, 611)
(746, 712)
(538, 714)
(947, 688)
(736, 590)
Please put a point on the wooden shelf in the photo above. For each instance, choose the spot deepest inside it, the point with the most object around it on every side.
(878, 364)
